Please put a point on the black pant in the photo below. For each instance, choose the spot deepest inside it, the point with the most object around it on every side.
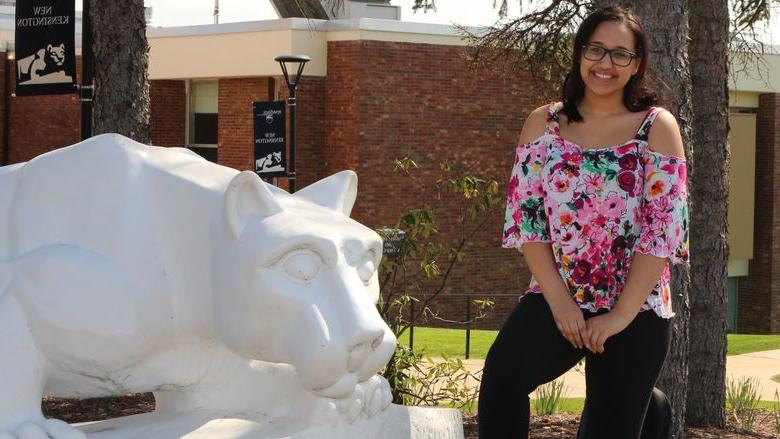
(530, 351)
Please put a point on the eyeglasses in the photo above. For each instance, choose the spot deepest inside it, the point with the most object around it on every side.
(619, 57)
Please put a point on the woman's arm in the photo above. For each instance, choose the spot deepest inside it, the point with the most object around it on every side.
(567, 314)
(541, 262)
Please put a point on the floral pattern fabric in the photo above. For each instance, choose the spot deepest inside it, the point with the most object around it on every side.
(596, 207)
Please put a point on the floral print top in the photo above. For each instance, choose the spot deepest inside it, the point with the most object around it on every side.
(597, 207)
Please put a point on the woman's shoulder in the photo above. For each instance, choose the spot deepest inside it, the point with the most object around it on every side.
(664, 136)
(535, 124)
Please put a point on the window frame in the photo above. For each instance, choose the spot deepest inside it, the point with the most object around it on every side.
(188, 121)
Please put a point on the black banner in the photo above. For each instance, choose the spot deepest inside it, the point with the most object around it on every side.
(270, 139)
(45, 47)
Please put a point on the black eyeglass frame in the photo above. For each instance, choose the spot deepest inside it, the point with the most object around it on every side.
(632, 56)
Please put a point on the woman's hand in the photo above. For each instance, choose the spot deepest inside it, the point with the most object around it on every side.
(605, 326)
(569, 320)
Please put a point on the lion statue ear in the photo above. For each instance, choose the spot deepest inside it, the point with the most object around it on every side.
(337, 192)
(247, 197)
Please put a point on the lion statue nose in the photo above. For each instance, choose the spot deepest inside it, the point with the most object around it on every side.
(361, 347)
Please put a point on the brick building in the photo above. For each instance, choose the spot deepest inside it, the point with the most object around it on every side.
(381, 89)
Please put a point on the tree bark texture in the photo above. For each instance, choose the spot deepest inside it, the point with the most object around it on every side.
(666, 24)
(121, 99)
(708, 51)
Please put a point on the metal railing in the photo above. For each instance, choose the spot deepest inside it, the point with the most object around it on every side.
(468, 309)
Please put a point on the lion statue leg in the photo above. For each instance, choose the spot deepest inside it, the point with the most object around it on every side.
(23, 379)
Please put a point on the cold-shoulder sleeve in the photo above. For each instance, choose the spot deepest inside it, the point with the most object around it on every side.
(664, 214)
(525, 219)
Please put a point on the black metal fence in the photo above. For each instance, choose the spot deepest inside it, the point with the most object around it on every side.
(459, 311)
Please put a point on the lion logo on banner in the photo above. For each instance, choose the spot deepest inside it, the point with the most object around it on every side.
(47, 65)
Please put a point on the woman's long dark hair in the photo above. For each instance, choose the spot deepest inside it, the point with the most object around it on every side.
(638, 94)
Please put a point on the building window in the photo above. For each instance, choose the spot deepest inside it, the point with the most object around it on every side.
(202, 118)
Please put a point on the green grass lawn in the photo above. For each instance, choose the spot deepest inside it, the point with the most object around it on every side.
(452, 342)
(746, 343)
(570, 405)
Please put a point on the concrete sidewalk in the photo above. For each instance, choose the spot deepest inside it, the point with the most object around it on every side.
(759, 365)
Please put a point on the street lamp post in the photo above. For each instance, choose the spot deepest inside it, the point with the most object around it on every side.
(301, 61)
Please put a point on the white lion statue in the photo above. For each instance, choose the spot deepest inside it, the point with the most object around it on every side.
(131, 268)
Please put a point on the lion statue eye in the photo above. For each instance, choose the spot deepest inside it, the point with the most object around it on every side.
(302, 265)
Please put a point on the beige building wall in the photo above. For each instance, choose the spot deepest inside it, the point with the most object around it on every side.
(742, 141)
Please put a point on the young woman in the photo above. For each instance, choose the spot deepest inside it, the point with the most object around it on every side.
(598, 226)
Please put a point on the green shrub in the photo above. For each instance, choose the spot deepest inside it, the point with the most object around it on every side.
(742, 400)
(776, 412)
(548, 398)
(421, 264)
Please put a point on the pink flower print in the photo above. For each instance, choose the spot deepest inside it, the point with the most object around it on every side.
(517, 216)
(560, 183)
(595, 234)
(636, 215)
(568, 241)
(598, 280)
(571, 243)
(613, 229)
(529, 187)
(652, 234)
(599, 221)
(612, 207)
(682, 172)
(572, 159)
(670, 168)
(594, 183)
(618, 246)
(624, 149)
(585, 211)
(570, 163)
(627, 181)
(512, 195)
(656, 189)
(662, 211)
(581, 272)
(628, 162)
(537, 189)
(564, 189)
(566, 218)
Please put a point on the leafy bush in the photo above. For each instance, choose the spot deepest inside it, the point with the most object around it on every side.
(418, 272)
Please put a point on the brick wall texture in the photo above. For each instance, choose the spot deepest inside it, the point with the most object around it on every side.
(39, 124)
(389, 100)
(168, 112)
(236, 131)
(382, 101)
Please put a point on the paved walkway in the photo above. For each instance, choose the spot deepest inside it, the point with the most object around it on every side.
(759, 365)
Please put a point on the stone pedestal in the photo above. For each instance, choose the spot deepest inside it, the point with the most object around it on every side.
(396, 422)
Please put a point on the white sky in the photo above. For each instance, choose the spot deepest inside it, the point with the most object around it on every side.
(467, 12)
(175, 13)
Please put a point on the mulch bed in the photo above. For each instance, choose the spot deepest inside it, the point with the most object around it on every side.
(565, 426)
(97, 409)
(542, 427)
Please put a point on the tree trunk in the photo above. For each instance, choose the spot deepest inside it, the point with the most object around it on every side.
(121, 100)
(709, 22)
(669, 60)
